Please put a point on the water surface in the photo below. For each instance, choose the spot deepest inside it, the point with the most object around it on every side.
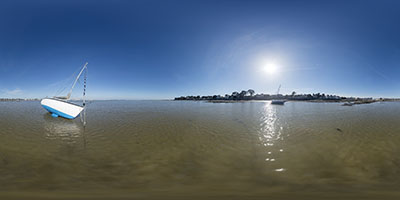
(199, 150)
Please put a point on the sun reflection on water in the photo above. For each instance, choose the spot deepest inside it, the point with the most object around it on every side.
(270, 133)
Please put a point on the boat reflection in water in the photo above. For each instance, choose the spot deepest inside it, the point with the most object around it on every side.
(64, 130)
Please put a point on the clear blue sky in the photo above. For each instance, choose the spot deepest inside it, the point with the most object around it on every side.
(162, 49)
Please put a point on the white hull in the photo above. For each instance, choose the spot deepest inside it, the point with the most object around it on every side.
(61, 108)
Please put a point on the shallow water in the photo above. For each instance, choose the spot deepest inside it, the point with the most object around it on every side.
(199, 150)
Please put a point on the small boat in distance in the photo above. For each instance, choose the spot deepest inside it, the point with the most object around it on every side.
(60, 106)
(278, 101)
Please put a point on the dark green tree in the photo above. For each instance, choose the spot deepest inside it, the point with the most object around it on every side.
(251, 92)
(242, 94)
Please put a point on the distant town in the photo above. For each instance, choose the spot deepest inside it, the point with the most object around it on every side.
(250, 94)
(17, 99)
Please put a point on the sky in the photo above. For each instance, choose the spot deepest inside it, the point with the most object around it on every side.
(163, 49)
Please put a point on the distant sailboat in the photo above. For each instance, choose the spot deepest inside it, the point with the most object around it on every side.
(60, 106)
(277, 101)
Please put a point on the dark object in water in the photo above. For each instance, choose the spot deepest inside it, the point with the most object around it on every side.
(278, 102)
(338, 129)
(348, 104)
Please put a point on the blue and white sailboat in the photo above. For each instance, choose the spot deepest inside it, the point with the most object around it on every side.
(60, 106)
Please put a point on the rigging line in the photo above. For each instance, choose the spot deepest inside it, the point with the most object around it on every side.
(65, 81)
(61, 86)
(77, 78)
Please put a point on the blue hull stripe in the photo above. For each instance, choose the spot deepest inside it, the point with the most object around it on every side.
(61, 114)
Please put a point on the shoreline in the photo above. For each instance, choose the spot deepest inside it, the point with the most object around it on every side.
(251, 95)
(16, 100)
(345, 102)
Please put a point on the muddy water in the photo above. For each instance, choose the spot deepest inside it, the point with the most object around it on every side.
(199, 150)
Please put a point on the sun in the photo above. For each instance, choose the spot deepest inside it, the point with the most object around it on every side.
(270, 68)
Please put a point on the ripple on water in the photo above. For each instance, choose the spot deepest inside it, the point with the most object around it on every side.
(194, 148)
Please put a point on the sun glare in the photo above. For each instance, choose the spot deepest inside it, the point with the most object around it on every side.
(270, 68)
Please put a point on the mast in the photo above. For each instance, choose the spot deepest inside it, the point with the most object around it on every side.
(76, 80)
(84, 99)
(279, 88)
(84, 88)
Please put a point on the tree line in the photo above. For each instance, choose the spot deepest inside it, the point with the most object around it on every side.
(250, 94)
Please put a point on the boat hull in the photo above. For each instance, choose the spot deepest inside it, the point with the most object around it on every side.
(278, 102)
(61, 108)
